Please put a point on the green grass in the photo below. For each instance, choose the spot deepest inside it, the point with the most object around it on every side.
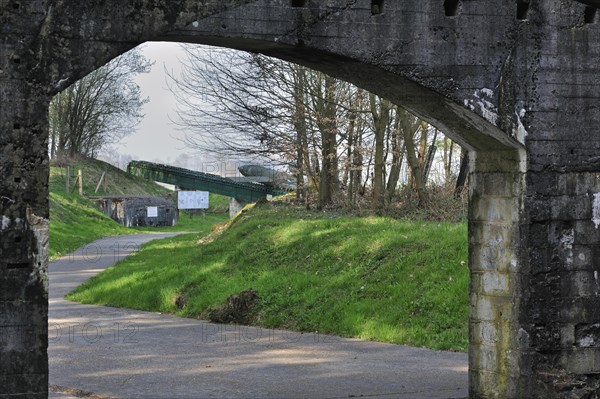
(373, 278)
(77, 221)
(196, 224)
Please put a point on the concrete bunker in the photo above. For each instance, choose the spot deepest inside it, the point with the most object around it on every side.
(132, 211)
(495, 79)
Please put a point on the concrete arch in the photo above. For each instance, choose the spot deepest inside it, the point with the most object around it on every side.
(510, 80)
(433, 65)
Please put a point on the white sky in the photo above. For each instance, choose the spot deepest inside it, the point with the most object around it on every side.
(156, 136)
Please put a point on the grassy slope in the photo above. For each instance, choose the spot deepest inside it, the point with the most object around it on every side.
(76, 221)
(118, 182)
(372, 278)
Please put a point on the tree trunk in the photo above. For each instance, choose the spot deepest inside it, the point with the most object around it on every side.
(300, 127)
(348, 173)
(380, 111)
(328, 126)
(448, 158)
(461, 181)
(415, 166)
(428, 161)
(397, 158)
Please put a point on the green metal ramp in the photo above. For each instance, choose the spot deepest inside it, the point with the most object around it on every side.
(191, 180)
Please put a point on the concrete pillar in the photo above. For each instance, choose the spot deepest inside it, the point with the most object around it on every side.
(534, 327)
(496, 187)
(559, 329)
(235, 205)
(23, 236)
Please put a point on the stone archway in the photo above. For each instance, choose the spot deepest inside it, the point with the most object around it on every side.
(511, 81)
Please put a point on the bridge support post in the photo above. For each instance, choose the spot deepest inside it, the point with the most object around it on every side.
(235, 205)
(496, 264)
(534, 234)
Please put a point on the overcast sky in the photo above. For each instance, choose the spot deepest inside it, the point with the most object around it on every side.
(156, 136)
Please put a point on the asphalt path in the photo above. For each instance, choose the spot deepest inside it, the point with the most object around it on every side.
(103, 352)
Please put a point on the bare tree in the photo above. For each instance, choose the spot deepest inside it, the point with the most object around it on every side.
(262, 108)
(413, 158)
(324, 104)
(381, 112)
(334, 136)
(234, 103)
(461, 180)
(398, 149)
(99, 109)
(427, 149)
(300, 126)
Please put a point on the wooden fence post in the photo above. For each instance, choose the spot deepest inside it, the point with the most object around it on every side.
(68, 179)
(80, 178)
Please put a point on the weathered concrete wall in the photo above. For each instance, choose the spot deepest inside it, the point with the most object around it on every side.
(23, 213)
(514, 81)
(560, 320)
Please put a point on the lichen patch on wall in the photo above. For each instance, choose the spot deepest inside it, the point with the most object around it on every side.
(520, 132)
(566, 243)
(5, 223)
(596, 210)
(482, 104)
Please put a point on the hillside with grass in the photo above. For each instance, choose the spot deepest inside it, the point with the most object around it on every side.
(277, 266)
(116, 181)
(76, 221)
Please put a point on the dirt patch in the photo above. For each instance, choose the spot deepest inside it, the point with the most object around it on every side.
(238, 309)
(75, 392)
(180, 301)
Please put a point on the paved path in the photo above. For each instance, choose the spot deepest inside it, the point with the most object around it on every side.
(122, 353)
